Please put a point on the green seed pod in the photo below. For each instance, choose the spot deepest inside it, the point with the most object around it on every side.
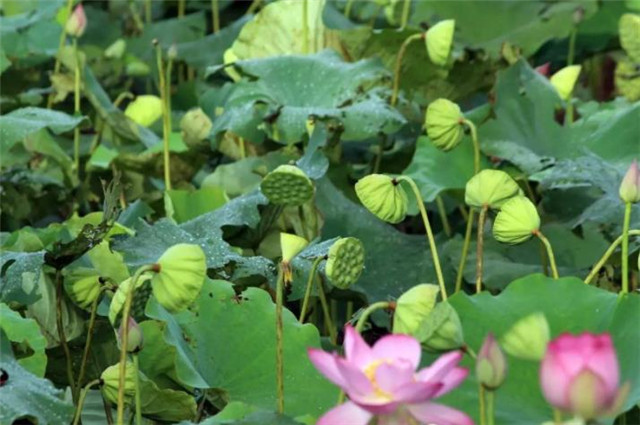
(516, 221)
(629, 27)
(528, 338)
(83, 287)
(444, 124)
(627, 80)
(565, 80)
(111, 382)
(345, 262)
(413, 308)
(491, 188)
(287, 185)
(442, 330)
(195, 126)
(439, 39)
(383, 196)
(291, 246)
(177, 284)
(140, 298)
(145, 110)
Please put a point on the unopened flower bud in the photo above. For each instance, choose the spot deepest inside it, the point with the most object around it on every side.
(444, 124)
(77, 22)
(490, 188)
(287, 185)
(111, 382)
(195, 126)
(383, 196)
(345, 262)
(439, 39)
(630, 187)
(413, 308)
(145, 109)
(134, 336)
(172, 52)
(182, 271)
(491, 364)
(442, 330)
(565, 80)
(517, 221)
(528, 338)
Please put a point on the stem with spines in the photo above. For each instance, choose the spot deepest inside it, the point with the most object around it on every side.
(396, 69)
(307, 292)
(138, 398)
(625, 247)
(280, 338)
(76, 107)
(479, 247)
(166, 123)
(465, 250)
(552, 258)
(83, 396)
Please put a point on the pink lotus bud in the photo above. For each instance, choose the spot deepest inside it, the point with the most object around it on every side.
(134, 336)
(630, 186)
(491, 364)
(580, 375)
(77, 22)
(544, 69)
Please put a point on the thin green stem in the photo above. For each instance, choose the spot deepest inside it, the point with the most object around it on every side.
(479, 247)
(307, 292)
(465, 250)
(136, 16)
(557, 417)
(349, 311)
(367, 312)
(378, 160)
(126, 311)
(165, 116)
(147, 11)
(83, 396)
(327, 313)
(138, 398)
(625, 247)
(347, 9)
(396, 69)
(87, 344)
(596, 268)
(406, 8)
(182, 5)
(552, 258)
(430, 238)
(476, 145)
(215, 15)
(62, 337)
(443, 216)
(491, 415)
(572, 45)
(482, 407)
(63, 37)
(280, 340)
(76, 107)
(305, 27)
(255, 4)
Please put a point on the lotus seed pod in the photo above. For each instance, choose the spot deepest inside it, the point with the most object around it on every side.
(83, 287)
(77, 22)
(629, 27)
(439, 39)
(183, 268)
(490, 188)
(140, 298)
(442, 330)
(383, 196)
(491, 364)
(116, 49)
(528, 338)
(627, 80)
(345, 262)
(565, 80)
(516, 221)
(287, 185)
(134, 336)
(291, 246)
(195, 126)
(413, 308)
(444, 124)
(145, 110)
(111, 382)
(630, 187)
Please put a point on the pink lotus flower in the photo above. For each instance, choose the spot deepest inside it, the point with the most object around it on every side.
(382, 381)
(579, 375)
(77, 22)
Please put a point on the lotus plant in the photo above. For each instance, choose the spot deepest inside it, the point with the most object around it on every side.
(382, 382)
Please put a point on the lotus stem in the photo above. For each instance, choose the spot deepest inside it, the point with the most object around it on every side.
(87, 344)
(63, 37)
(215, 15)
(396, 69)
(596, 268)
(255, 4)
(76, 107)
(479, 247)
(430, 238)
(405, 13)
(280, 340)
(367, 312)
(305, 27)
(378, 160)
(625, 247)
(465, 250)
(482, 405)
(552, 258)
(165, 118)
(491, 415)
(557, 417)
(327, 313)
(83, 396)
(443, 216)
(136, 367)
(476, 145)
(307, 293)
(147, 11)
(181, 7)
(347, 9)
(61, 336)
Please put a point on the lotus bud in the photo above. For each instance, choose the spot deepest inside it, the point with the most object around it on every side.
(578, 15)
(442, 331)
(383, 196)
(413, 308)
(116, 49)
(111, 381)
(528, 338)
(287, 185)
(490, 188)
(83, 287)
(172, 52)
(544, 69)
(517, 221)
(182, 270)
(444, 123)
(140, 297)
(630, 187)
(629, 27)
(196, 126)
(291, 246)
(134, 336)
(439, 39)
(491, 364)
(565, 80)
(144, 110)
(345, 262)
(77, 22)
